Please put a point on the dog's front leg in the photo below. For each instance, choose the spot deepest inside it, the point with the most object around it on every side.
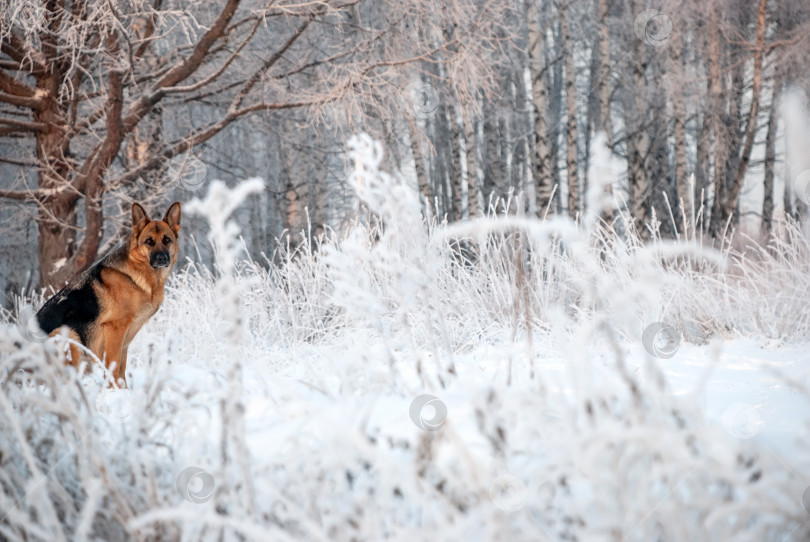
(122, 369)
(114, 334)
(73, 350)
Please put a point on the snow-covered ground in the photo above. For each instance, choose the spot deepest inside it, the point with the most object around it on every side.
(383, 387)
(319, 409)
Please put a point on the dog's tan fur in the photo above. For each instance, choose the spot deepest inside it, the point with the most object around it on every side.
(105, 306)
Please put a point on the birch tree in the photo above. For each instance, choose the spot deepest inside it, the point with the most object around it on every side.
(78, 78)
(539, 89)
(571, 157)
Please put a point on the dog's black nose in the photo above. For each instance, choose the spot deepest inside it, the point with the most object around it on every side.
(160, 259)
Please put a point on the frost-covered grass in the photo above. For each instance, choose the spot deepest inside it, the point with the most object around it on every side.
(276, 402)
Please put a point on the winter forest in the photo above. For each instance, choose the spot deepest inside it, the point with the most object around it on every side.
(463, 270)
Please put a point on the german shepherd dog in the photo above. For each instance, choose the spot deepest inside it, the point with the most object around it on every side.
(105, 306)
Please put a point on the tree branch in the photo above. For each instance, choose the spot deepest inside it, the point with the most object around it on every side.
(32, 103)
(193, 61)
(23, 125)
(216, 74)
(18, 161)
(237, 101)
(149, 31)
(17, 49)
(180, 146)
(187, 67)
(13, 86)
(91, 183)
(20, 195)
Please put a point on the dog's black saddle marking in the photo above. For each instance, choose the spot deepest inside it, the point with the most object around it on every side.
(76, 305)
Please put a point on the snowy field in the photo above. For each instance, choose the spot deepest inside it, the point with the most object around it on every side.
(489, 380)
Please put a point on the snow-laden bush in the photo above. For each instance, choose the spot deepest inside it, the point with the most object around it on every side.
(412, 380)
(77, 462)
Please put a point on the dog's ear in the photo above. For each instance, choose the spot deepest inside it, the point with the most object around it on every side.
(172, 217)
(139, 219)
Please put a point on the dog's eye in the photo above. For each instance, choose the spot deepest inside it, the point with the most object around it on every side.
(149, 241)
(166, 240)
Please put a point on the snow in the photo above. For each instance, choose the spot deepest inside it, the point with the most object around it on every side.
(382, 388)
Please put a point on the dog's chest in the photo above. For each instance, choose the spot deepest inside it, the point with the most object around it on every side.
(144, 313)
(149, 307)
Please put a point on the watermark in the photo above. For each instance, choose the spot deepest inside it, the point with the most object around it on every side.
(422, 99)
(741, 421)
(806, 499)
(115, 406)
(653, 27)
(195, 485)
(28, 325)
(801, 186)
(189, 170)
(661, 340)
(428, 412)
(508, 493)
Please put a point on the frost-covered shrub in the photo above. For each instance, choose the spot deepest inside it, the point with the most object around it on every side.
(409, 379)
(77, 462)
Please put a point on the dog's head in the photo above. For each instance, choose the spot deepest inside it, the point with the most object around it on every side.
(155, 241)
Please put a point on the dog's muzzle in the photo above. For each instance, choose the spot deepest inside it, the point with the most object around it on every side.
(160, 259)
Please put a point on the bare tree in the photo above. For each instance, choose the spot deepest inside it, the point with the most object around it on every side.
(473, 206)
(637, 138)
(99, 102)
(758, 52)
(537, 69)
(78, 79)
(770, 161)
(676, 96)
(571, 157)
(604, 122)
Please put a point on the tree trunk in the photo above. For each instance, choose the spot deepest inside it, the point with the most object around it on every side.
(444, 161)
(770, 160)
(291, 206)
(603, 121)
(787, 199)
(60, 255)
(139, 146)
(492, 162)
(419, 161)
(721, 151)
(393, 160)
(473, 209)
(733, 93)
(592, 120)
(57, 224)
(57, 240)
(435, 166)
(542, 158)
(571, 111)
(480, 158)
(524, 128)
(686, 199)
(750, 131)
(702, 167)
(556, 92)
(455, 123)
(506, 165)
(638, 145)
